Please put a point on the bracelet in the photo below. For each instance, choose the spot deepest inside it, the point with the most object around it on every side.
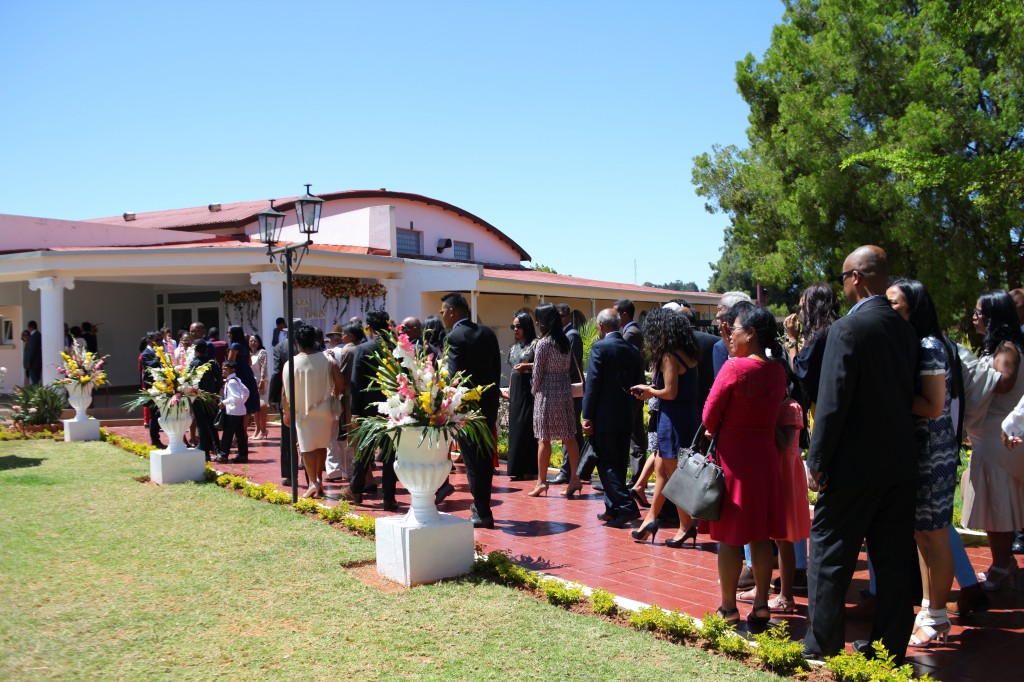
(789, 343)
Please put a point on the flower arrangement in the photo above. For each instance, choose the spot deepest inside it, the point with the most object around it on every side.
(174, 385)
(81, 367)
(419, 392)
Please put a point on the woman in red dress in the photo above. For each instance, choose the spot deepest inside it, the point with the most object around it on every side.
(743, 407)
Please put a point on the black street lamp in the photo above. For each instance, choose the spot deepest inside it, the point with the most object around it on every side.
(287, 258)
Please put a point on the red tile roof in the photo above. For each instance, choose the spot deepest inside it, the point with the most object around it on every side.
(244, 212)
(539, 277)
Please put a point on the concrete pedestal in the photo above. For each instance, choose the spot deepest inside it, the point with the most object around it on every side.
(411, 553)
(81, 430)
(177, 467)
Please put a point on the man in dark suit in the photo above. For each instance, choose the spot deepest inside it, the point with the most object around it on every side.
(632, 333)
(32, 354)
(277, 379)
(706, 367)
(363, 405)
(151, 361)
(473, 348)
(863, 456)
(614, 367)
(586, 467)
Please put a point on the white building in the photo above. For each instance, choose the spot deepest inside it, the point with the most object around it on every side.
(131, 273)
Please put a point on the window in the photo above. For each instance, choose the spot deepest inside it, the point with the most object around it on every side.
(410, 241)
(463, 251)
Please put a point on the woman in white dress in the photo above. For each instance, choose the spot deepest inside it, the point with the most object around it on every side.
(259, 370)
(316, 380)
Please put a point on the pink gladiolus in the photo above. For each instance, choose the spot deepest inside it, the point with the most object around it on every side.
(405, 343)
(174, 399)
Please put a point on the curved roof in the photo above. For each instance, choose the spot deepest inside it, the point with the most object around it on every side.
(242, 213)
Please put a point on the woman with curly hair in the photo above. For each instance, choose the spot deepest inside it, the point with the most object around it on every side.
(674, 353)
(807, 334)
(994, 485)
(554, 417)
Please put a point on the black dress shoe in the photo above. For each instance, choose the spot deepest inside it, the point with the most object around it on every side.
(560, 479)
(389, 505)
(863, 646)
(623, 520)
(444, 491)
(240, 460)
(596, 485)
(605, 516)
(480, 522)
(286, 482)
(812, 655)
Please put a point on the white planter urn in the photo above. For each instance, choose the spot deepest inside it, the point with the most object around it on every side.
(176, 463)
(80, 397)
(175, 421)
(421, 467)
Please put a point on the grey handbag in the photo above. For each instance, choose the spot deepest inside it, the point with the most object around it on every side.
(698, 483)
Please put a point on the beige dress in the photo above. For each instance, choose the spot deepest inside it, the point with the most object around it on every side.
(313, 383)
(993, 484)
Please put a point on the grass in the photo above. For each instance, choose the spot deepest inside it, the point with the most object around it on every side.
(103, 577)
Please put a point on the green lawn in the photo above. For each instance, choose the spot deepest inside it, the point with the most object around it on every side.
(102, 577)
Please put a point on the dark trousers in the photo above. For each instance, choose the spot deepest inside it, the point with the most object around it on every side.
(577, 406)
(286, 440)
(479, 473)
(204, 428)
(154, 425)
(35, 375)
(612, 451)
(843, 519)
(388, 480)
(637, 444)
(234, 428)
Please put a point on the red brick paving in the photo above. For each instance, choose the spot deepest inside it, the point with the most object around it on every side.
(563, 538)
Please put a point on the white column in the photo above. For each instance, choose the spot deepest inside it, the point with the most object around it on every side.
(474, 301)
(395, 305)
(271, 307)
(51, 320)
(593, 308)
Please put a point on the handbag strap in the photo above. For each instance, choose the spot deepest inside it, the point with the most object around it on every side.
(712, 447)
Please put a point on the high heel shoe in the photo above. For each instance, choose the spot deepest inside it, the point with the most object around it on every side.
(676, 543)
(540, 489)
(641, 497)
(929, 631)
(571, 490)
(645, 530)
(995, 577)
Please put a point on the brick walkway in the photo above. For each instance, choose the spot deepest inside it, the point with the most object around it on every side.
(563, 538)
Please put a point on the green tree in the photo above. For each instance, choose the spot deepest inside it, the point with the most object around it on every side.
(874, 121)
(544, 268)
(676, 285)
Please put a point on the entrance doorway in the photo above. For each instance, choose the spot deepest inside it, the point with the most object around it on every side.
(182, 316)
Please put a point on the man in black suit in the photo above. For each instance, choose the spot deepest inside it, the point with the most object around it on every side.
(32, 354)
(151, 361)
(363, 405)
(863, 456)
(632, 333)
(277, 379)
(706, 367)
(473, 348)
(586, 468)
(614, 367)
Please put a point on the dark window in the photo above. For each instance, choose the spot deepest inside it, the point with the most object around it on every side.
(463, 251)
(194, 297)
(410, 241)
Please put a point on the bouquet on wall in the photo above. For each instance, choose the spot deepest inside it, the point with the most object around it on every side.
(81, 367)
(175, 386)
(420, 393)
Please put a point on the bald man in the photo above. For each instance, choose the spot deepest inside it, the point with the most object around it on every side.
(863, 456)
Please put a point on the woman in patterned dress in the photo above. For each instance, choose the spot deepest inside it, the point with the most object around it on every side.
(553, 415)
(937, 456)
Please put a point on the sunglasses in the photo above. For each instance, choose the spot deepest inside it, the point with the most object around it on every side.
(841, 277)
(514, 327)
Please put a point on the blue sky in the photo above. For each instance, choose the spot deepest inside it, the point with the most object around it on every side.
(569, 125)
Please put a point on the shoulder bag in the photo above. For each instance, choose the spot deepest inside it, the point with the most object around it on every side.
(698, 483)
(577, 388)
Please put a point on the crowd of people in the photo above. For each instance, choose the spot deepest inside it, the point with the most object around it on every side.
(880, 399)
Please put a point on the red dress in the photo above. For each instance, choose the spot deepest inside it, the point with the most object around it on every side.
(794, 479)
(745, 401)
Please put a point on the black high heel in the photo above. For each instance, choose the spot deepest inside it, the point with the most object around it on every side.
(648, 529)
(690, 534)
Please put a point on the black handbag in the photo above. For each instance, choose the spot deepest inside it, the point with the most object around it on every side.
(698, 483)
(218, 420)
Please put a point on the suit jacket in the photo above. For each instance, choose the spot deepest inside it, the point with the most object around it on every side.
(863, 428)
(149, 360)
(277, 379)
(614, 366)
(473, 348)
(362, 372)
(635, 336)
(706, 367)
(32, 354)
(575, 351)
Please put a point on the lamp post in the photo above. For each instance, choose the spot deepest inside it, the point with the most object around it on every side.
(288, 258)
